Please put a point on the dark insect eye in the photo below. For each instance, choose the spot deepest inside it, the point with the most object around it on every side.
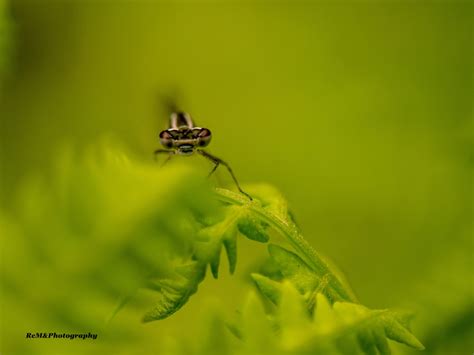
(204, 133)
(204, 137)
(166, 139)
(165, 135)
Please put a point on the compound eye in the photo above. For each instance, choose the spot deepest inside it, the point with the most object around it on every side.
(166, 139)
(204, 137)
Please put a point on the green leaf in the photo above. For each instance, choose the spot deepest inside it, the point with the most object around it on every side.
(212, 238)
(215, 233)
(256, 329)
(300, 274)
(369, 329)
(294, 269)
(339, 328)
(253, 228)
(102, 226)
(269, 288)
(337, 288)
(121, 231)
(396, 328)
(175, 292)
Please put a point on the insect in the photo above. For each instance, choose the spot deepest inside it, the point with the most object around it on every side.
(183, 138)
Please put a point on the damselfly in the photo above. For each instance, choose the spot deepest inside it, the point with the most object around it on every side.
(183, 138)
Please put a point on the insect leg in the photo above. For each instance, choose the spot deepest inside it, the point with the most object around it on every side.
(162, 151)
(217, 161)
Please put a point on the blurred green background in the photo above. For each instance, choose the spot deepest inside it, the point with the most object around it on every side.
(359, 112)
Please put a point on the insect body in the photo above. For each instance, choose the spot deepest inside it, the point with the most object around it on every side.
(183, 138)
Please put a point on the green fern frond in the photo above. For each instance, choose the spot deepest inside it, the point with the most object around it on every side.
(309, 282)
(371, 327)
(340, 328)
(175, 291)
(284, 225)
(238, 215)
(212, 238)
(104, 227)
(215, 234)
(101, 224)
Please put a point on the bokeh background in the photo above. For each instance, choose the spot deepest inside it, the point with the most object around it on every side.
(360, 112)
